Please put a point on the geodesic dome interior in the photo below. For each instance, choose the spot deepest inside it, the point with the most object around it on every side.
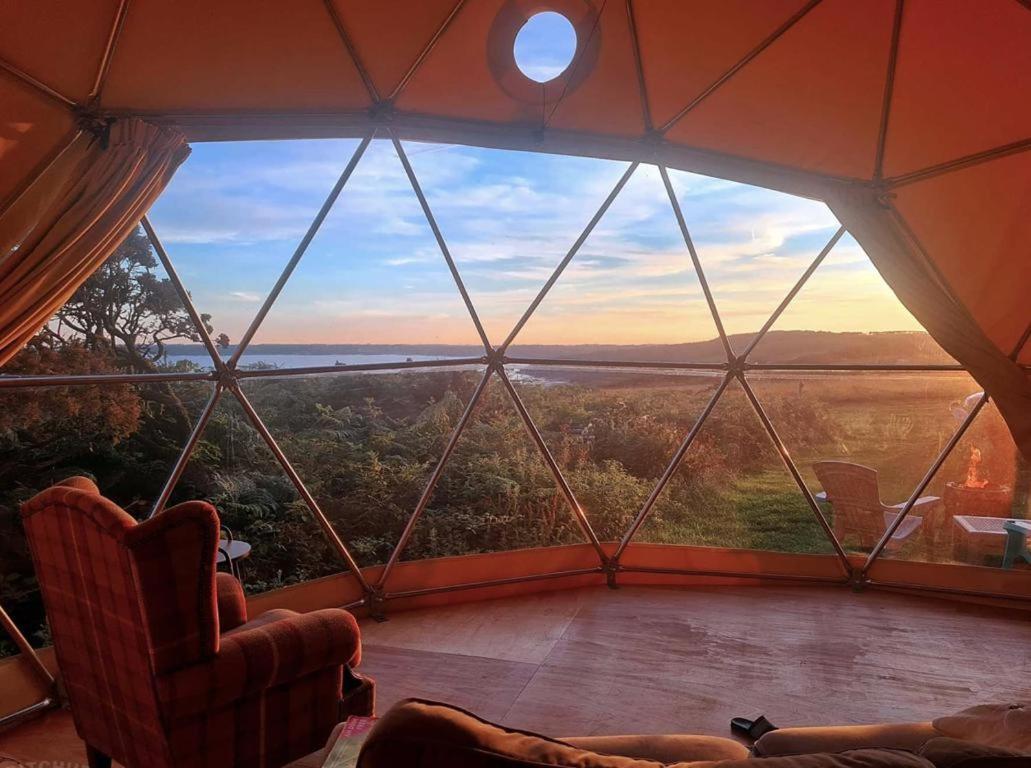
(910, 119)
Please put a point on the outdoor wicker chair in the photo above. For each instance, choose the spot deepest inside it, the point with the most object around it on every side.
(854, 495)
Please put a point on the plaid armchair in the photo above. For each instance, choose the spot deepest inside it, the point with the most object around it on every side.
(160, 664)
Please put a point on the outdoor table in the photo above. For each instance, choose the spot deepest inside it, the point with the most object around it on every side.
(993, 533)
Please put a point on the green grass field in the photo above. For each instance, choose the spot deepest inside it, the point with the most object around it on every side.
(896, 424)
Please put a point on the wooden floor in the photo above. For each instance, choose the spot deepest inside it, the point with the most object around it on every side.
(641, 660)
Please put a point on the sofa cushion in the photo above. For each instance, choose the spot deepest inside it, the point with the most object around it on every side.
(855, 758)
(426, 734)
(665, 748)
(946, 752)
(997, 725)
(838, 738)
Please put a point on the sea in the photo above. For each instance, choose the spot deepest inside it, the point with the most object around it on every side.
(302, 360)
(287, 356)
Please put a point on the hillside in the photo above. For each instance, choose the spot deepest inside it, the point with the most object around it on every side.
(790, 347)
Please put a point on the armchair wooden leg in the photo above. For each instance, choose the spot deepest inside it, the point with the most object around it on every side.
(96, 758)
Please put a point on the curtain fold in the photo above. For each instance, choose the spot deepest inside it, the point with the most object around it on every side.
(74, 216)
(926, 295)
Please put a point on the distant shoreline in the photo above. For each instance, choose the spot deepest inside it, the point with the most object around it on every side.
(790, 347)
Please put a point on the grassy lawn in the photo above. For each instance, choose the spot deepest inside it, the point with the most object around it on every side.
(895, 424)
(760, 511)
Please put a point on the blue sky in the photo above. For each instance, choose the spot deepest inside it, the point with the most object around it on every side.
(234, 212)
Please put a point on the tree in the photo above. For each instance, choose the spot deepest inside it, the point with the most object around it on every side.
(65, 418)
(127, 309)
(128, 312)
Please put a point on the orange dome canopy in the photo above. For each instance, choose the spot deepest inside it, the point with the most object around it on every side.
(926, 103)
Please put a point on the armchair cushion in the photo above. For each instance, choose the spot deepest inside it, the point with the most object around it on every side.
(664, 748)
(273, 614)
(232, 604)
(254, 658)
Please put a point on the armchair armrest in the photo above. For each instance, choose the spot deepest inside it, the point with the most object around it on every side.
(923, 501)
(838, 738)
(232, 604)
(251, 660)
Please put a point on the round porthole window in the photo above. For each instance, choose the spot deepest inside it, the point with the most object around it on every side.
(545, 46)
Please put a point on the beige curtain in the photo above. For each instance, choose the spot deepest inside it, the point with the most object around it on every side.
(74, 216)
(920, 288)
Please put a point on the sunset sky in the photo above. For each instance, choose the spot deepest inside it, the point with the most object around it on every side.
(235, 211)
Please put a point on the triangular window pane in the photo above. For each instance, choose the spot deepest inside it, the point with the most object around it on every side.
(732, 490)
(866, 440)
(123, 436)
(612, 431)
(509, 218)
(127, 317)
(846, 313)
(496, 492)
(985, 491)
(753, 244)
(372, 286)
(630, 293)
(232, 468)
(365, 444)
(233, 214)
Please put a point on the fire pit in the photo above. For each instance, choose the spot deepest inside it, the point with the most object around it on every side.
(977, 497)
(989, 501)
(978, 508)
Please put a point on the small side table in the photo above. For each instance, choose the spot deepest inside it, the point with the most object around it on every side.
(232, 551)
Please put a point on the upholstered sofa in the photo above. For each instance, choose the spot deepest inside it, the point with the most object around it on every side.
(425, 734)
(160, 664)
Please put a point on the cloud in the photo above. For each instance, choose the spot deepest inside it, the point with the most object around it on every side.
(245, 296)
(402, 261)
(508, 219)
